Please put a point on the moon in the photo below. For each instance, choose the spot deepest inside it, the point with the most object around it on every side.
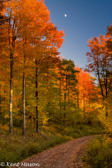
(65, 15)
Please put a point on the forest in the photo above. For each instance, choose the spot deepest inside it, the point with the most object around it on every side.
(43, 96)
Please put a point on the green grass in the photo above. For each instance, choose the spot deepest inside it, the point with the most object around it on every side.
(16, 148)
(99, 153)
(81, 130)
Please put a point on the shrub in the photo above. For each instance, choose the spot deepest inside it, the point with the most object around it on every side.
(99, 153)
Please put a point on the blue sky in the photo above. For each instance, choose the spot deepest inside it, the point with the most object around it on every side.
(85, 19)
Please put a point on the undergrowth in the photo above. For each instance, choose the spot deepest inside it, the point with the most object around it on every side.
(99, 153)
(16, 148)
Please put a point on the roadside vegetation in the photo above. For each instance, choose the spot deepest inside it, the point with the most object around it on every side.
(16, 148)
(99, 153)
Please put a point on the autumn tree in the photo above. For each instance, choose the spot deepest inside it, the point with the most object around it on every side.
(99, 59)
(31, 28)
(67, 83)
(86, 92)
(8, 26)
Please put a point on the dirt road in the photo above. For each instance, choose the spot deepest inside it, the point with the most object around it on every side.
(66, 155)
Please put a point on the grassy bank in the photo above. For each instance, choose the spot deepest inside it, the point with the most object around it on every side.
(16, 148)
(99, 153)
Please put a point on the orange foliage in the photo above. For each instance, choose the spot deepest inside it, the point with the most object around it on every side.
(99, 59)
(85, 87)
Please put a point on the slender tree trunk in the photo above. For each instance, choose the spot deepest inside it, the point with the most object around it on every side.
(24, 115)
(48, 96)
(65, 101)
(4, 104)
(60, 97)
(36, 96)
(84, 105)
(101, 87)
(77, 100)
(78, 94)
(68, 99)
(11, 82)
(64, 107)
(106, 88)
(11, 94)
(12, 49)
(0, 104)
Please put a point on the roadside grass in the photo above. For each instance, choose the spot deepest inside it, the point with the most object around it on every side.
(99, 153)
(16, 148)
(82, 130)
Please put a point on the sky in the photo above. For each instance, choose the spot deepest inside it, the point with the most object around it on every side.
(85, 19)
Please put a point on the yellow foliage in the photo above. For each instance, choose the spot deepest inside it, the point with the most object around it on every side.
(4, 127)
